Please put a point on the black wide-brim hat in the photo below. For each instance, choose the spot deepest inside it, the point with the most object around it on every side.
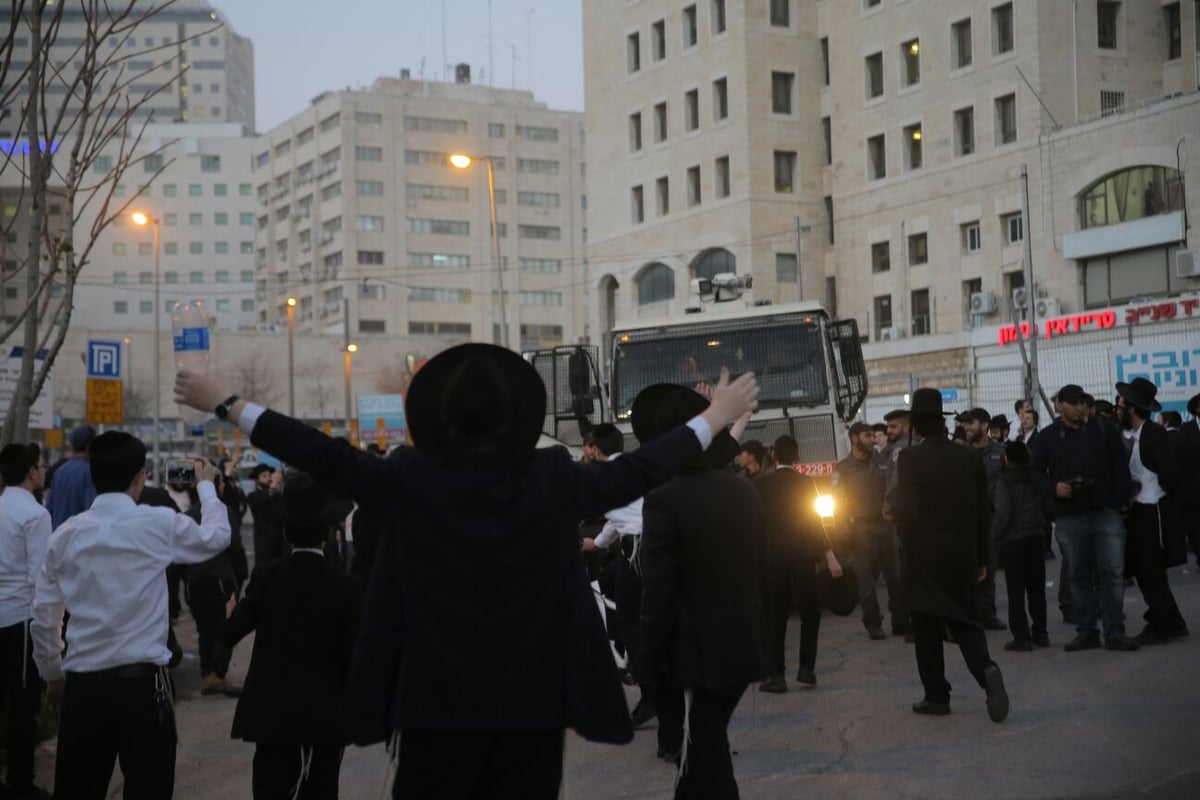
(999, 421)
(1140, 393)
(1193, 406)
(476, 403)
(662, 407)
(928, 402)
(304, 504)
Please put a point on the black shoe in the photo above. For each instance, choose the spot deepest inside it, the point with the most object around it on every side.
(931, 708)
(775, 685)
(670, 756)
(1019, 645)
(642, 713)
(1150, 637)
(997, 697)
(876, 633)
(1041, 640)
(1070, 617)
(1122, 643)
(1083, 641)
(994, 624)
(806, 676)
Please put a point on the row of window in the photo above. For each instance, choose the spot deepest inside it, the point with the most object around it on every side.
(780, 15)
(196, 219)
(426, 294)
(195, 276)
(691, 114)
(662, 190)
(151, 164)
(222, 306)
(172, 248)
(1012, 229)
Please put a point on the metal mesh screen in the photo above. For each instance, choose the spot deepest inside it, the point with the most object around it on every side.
(573, 406)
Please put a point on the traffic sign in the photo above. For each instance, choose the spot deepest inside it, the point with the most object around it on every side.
(103, 359)
(105, 401)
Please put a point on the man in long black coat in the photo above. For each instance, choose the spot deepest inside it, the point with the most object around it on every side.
(943, 525)
(481, 641)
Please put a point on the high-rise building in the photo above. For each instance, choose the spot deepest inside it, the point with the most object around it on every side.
(361, 208)
(870, 152)
(217, 84)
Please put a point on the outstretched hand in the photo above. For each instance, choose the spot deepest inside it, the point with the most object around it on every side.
(730, 400)
(199, 391)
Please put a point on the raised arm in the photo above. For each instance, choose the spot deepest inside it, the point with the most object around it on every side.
(192, 543)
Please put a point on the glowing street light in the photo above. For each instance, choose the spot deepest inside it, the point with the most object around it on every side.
(463, 161)
(291, 312)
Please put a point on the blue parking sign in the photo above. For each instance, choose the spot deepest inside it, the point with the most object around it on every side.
(103, 359)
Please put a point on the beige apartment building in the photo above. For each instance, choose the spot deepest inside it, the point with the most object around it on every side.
(362, 213)
(882, 142)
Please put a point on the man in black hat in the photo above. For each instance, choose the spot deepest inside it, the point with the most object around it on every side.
(304, 614)
(975, 422)
(269, 544)
(479, 561)
(998, 428)
(1085, 468)
(1151, 519)
(943, 525)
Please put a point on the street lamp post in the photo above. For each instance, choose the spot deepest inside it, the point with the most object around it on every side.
(142, 219)
(461, 161)
(351, 349)
(291, 312)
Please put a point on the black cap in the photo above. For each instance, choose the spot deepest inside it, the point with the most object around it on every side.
(1071, 394)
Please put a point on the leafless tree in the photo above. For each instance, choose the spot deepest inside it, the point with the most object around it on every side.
(76, 137)
(254, 375)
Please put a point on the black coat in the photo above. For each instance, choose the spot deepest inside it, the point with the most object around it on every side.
(1021, 506)
(1186, 445)
(793, 529)
(703, 565)
(478, 614)
(269, 544)
(943, 525)
(304, 614)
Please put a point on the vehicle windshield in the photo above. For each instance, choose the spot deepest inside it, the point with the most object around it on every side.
(787, 356)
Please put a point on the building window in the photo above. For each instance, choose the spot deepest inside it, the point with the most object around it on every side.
(1002, 29)
(829, 216)
(1131, 194)
(721, 176)
(960, 44)
(693, 186)
(881, 257)
(373, 189)
(785, 171)
(196, 276)
(1111, 102)
(535, 133)
(495, 130)
(964, 131)
(1006, 119)
(368, 118)
(633, 52)
(120, 307)
(102, 165)
(245, 189)
(145, 249)
(718, 17)
(170, 248)
(876, 157)
(422, 191)
(635, 131)
(825, 60)
(210, 163)
(1174, 31)
(785, 268)
(120, 278)
(546, 265)
(656, 284)
(195, 220)
(442, 227)
(195, 190)
(827, 127)
(883, 316)
(370, 257)
(921, 320)
(537, 166)
(869, 4)
(1014, 228)
(435, 125)
(781, 13)
(658, 40)
(637, 207)
(362, 153)
(539, 199)
(720, 99)
(781, 92)
(910, 62)
(543, 232)
(918, 249)
(660, 122)
(368, 223)
(662, 192)
(913, 153)
(972, 240)
(146, 306)
(691, 109)
(539, 298)
(874, 75)
(221, 248)
(1108, 17)
(690, 33)
(119, 248)
(169, 190)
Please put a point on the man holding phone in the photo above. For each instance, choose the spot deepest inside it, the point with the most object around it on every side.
(107, 565)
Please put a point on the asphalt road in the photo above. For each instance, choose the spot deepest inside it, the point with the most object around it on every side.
(1094, 724)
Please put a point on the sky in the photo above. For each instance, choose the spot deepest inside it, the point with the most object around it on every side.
(305, 47)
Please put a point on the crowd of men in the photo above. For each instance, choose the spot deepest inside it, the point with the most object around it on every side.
(382, 587)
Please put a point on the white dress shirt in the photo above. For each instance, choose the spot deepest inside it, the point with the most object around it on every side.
(24, 536)
(107, 566)
(1150, 491)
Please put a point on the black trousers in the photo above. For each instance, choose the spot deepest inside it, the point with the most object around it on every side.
(176, 573)
(22, 696)
(708, 773)
(280, 768)
(1024, 562)
(126, 714)
(479, 766)
(985, 590)
(930, 631)
(207, 596)
(876, 552)
(782, 578)
(629, 610)
(1149, 567)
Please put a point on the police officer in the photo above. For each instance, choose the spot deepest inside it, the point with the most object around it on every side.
(899, 436)
(976, 422)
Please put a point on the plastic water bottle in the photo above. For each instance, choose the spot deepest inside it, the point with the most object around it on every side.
(190, 324)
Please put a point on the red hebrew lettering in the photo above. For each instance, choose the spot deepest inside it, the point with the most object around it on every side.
(1108, 319)
(1189, 306)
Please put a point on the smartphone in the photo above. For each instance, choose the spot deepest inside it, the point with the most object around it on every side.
(181, 471)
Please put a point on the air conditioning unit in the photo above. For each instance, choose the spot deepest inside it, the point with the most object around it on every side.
(984, 303)
(1047, 307)
(891, 334)
(1020, 298)
(1187, 263)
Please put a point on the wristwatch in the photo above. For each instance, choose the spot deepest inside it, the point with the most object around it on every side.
(222, 411)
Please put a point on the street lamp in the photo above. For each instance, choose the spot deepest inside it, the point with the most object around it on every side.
(142, 219)
(463, 161)
(351, 349)
(291, 311)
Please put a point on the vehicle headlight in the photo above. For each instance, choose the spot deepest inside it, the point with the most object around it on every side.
(824, 506)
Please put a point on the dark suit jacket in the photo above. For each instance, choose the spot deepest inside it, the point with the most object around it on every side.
(305, 617)
(479, 616)
(268, 536)
(943, 525)
(1158, 455)
(703, 564)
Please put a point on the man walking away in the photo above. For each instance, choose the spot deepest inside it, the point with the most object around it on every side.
(1084, 466)
(71, 489)
(1018, 525)
(944, 529)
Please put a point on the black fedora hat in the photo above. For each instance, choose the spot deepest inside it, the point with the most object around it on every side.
(665, 406)
(305, 504)
(999, 421)
(259, 469)
(1140, 393)
(476, 403)
(928, 402)
(1193, 406)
